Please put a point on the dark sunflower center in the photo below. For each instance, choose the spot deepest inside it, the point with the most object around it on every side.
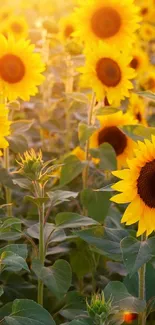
(106, 102)
(146, 184)
(108, 72)
(134, 63)
(144, 11)
(68, 31)
(16, 28)
(115, 137)
(151, 83)
(105, 22)
(12, 69)
(139, 117)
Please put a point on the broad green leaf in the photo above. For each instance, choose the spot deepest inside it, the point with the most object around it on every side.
(10, 235)
(147, 94)
(20, 126)
(82, 321)
(70, 170)
(97, 203)
(23, 183)
(58, 197)
(82, 260)
(138, 132)
(33, 231)
(18, 249)
(74, 305)
(73, 220)
(135, 253)
(18, 143)
(6, 178)
(13, 262)
(107, 156)
(1, 291)
(57, 278)
(122, 298)
(28, 312)
(85, 132)
(11, 223)
(5, 310)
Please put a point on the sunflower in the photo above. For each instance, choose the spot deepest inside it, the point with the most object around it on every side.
(136, 108)
(147, 82)
(109, 132)
(20, 69)
(17, 26)
(79, 153)
(113, 21)
(66, 28)
(146, 8)
(137, 186)
(5, 13)
(4, 127)
(147, 32)
(140, 60)
(107, 71)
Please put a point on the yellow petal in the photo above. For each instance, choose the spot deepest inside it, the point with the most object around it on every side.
(121, 198)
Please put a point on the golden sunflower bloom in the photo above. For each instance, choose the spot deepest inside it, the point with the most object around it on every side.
(66, 28)
(137, 108)
(5, 13)
(20, 69)
(147, 82)
(79, 153)
(140, 60)
(109, 132)
(147, 32)
(4, 127)
(137, 187)
(16, 26)
(146, 9)
(111, 21)
(107, 71)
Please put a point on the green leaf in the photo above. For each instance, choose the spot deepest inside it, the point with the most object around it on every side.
(70, 170)
(135, 253)
(85, 132)
(74, 305)
(1, 291)
(82, 260)
(107, 156)
(38, 201)
(13, 262)
(97, 203)
(18, 249)
(82, 321)
(138, 132)
(21, 126)
(58, 197)
(5, 178)
(122, 298)
(73, 220)
(57, 278)
(11, 223)
(28, 312)
(147, 94)
(150, 306)
(18, 143)
(23, 183)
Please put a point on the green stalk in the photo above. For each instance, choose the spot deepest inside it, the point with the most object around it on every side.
(142, 273)
(87, 156)
(68, 89)
(41, 247)
(8, 190)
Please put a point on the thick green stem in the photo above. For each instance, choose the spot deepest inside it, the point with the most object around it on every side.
(68, 89)
(8, 190)
(142, 273)
(41, 248)
(87, 156)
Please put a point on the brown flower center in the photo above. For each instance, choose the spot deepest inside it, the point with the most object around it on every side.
(139, 117)
(144, 11)
(115, 137)
(12, 69)
(146, 184)
(151, 83)
(134, 63)
(106, 22)
(108, 72)
(68, 31)
(16, 28)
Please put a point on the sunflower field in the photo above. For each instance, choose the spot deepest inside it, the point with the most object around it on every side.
(77, 162)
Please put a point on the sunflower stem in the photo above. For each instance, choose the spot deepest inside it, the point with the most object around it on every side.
(68, 89)
(7, 190)
(87, 147)
(142, 273)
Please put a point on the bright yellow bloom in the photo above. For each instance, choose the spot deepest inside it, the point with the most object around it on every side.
(66, 28)
(147, 32)
(79, 153)
(138, 187)
(146, 9)
(137, 108)
(140, 60)
(20, 69)
(107, 72)
(112, 21)
(16, 26)
(109, 132)
(5, 13)
(4, 127)
(147, 82)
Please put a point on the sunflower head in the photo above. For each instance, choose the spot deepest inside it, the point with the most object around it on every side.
(140, 60)
(147, 82)
(107, 72)
(16, 26)
(20, 68)
(137, 187)
(111, 133)
(114, 22)
(147, 32)
(4, 127)
(31, 164)
(136, 107)
(66, 28)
